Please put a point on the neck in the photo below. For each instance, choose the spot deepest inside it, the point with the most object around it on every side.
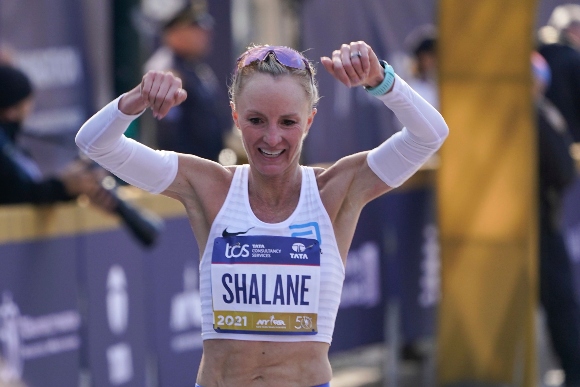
(275, 188)
(273, 199)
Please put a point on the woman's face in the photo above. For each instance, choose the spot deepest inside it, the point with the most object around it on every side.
(189, 41)
(274, 115)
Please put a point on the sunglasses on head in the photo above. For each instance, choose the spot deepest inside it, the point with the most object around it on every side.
(284, 55)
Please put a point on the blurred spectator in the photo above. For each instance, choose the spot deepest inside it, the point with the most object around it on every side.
(198, 125)
(422, 46)
(563, 56)
(20, 176)
(556, 173)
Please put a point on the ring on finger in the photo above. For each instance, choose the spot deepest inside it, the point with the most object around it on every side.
(355, 54)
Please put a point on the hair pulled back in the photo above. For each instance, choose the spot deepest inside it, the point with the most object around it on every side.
(271, 66)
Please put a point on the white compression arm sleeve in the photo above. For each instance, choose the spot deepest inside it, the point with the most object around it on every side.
(398, 158)
(101, 138)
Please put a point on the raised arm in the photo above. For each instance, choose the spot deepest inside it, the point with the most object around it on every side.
(398, 158)
(102, 137)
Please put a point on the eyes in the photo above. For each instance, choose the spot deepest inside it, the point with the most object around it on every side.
(256, 121)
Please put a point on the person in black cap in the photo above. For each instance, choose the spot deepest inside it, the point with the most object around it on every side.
(20, 176)
(422, 46)
(198, 125)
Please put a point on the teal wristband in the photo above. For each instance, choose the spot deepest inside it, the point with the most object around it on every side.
(386, 84)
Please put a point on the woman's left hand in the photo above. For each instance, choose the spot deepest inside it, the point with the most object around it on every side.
(355, 64)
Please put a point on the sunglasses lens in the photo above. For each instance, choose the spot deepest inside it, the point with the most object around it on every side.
(284, 55)
(289, 58)
(253, 55)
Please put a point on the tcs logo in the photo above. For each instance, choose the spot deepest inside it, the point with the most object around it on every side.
(237, 251)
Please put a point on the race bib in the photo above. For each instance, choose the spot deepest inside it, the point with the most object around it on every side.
(265, 284)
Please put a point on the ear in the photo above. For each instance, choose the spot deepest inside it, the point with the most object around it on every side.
(234, 114)
(309, 121)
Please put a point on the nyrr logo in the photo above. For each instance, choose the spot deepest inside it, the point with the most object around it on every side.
(271, 322)
(237, 251)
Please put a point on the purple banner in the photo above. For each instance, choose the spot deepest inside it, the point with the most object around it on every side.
(572, 230)
(174, 306)
(362, 305)
(45, 40)
(113, 276)
(413, 259)
(39, 317)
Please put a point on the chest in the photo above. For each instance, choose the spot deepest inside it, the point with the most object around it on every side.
(273, 212)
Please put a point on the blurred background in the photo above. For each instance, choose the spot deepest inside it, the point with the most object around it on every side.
(445, 277)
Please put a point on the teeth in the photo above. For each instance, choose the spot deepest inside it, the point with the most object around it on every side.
(271, 154)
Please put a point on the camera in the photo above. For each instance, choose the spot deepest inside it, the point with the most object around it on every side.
(144, 225)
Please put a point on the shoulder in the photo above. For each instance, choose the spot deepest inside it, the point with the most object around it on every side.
(199, 178)
(346, 181)
(349, 181)
(202, 186)
(342, 171)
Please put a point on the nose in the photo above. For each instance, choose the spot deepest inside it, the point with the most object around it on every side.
(272, 135)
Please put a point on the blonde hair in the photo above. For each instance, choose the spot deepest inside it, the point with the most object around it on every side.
(270, 65)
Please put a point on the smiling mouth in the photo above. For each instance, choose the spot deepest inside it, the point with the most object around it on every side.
(271, 154)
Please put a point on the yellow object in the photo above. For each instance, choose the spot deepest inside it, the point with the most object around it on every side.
(486, 191)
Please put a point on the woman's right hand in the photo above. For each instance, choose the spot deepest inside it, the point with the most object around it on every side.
(158, 90)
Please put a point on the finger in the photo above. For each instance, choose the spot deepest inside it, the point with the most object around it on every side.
(364, 58)
(374, 63)
(339, 70)
(181, 96)
(327, 63)
(160, 90)
(375, 68)
(372, 55)
(146, 86)
(155, 97)
(161, 97)
(347, 63)
(355, 56)
(170, 92)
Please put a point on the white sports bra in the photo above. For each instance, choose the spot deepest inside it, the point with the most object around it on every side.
(271, 281)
